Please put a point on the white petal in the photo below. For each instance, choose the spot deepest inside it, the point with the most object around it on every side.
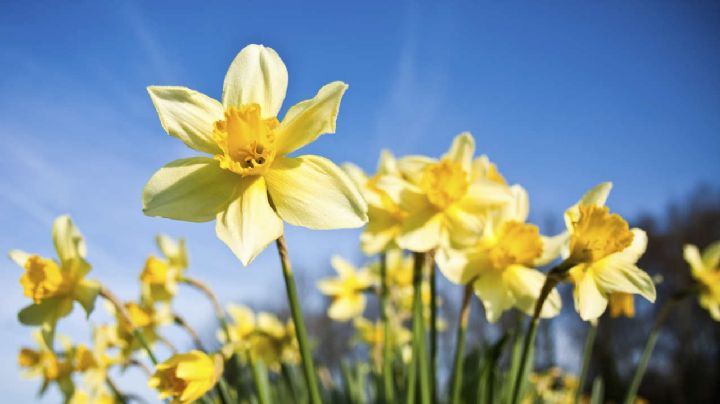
(589, 301)
(308, 119)
(496, 299)
(19, 257)
(693, 258)
(69, 243)
(552, 248)
(462, 150)
(192, 189)
(421, 232)
(525, 285)
(615, 273)
(249, 223)
(188, 115)
(313, 192)
(257, 75)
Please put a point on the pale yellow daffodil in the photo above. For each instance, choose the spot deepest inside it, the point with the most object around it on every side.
(186, 377)
(347, 291)
(159, 277)
(248, 184)
(46, 364)
(443, 199)
(385, 218)
(501, 265)
(54, 285)
(706, 270)
(602, 252)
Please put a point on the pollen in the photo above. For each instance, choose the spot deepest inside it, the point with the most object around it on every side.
(597, 233)
(42, 279)
(247, 141)
(444, 183)
(517, 244)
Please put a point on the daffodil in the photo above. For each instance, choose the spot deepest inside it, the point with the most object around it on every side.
(247, 183)
(443, 198)
(186, 377)
(44, 363)
(622, 304)
(501, 265)
(385, 218)
(706, 270)
(373, 334)
(160, 276)
(143, 316)
(602, 252)
(261, 335)
(553, 386)
(54, 285)
(347, 290)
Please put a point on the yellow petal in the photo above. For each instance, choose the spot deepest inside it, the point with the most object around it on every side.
(616, 273)
(464, 228)
(422, 232)
(311, 191)
(307, 120)
(249, 223)
(462, 150)
(192, 189)
(257, 75)
(69, 243)
(525, 285)
(693, 258)
(387, 165)
(347, 307)
(412, 167)
(552, 248)
(495, 298)
(455, 266)
(188, 115)
(85, 293)
(711, 255)
(596, 196)
(589, 301)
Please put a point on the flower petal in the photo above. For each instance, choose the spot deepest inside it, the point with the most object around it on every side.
(188, 115)
(347, 307)
(85, 293)
(496, 299)
(589, 301)
(311, 191)
(455, 266)
(192, 189)
(307, 120)
(553, 247)
(19, 257)
(69, 243)
(616, 273)
(422, 231)
(249, 223)
(462, 150)
(257, 75)
(693, 258)
(596, 196)
(525, 285)
(711, 255)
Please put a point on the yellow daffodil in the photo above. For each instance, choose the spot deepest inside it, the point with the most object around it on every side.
(501, 264)
(83, 397)
(186, 377)
(160, 276)
(385, 218)
(347, 290)
(373, 334)
(554, 386)
(706, 270)
(55, 285)
(145, 317)
(601, 252)
(44, 363)
(622, 304)
(248, 183)
(443, 198)
(261, 335)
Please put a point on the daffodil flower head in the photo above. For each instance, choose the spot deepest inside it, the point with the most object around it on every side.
(53, 285)
(443, 199)
(501, 264)
(347, 290)
(705, 269)
(248, 184)
(44, 363)
(186, 377)
(601, 255)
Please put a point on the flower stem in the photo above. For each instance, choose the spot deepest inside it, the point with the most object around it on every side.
(388, 388)
(587, 355)
(652, 339)
(297, 316)
(182, 323)
(433, 327)
(418, 326)
(106, 294)
(552, 279)
(260, 378)
(203, 288)
(457, 374)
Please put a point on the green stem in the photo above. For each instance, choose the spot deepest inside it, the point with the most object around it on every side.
(259, 375)
(106, 294)
(214, 301)
(300, 332)
(388, 387)
(587, 355)
(182, 323)
(418, 325)
(433, 327)
(652, 339)
(460, 344)
(552, 279)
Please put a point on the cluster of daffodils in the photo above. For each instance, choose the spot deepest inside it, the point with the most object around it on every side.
(454, 216)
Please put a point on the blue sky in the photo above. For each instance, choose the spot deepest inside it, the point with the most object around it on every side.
(561, 95)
